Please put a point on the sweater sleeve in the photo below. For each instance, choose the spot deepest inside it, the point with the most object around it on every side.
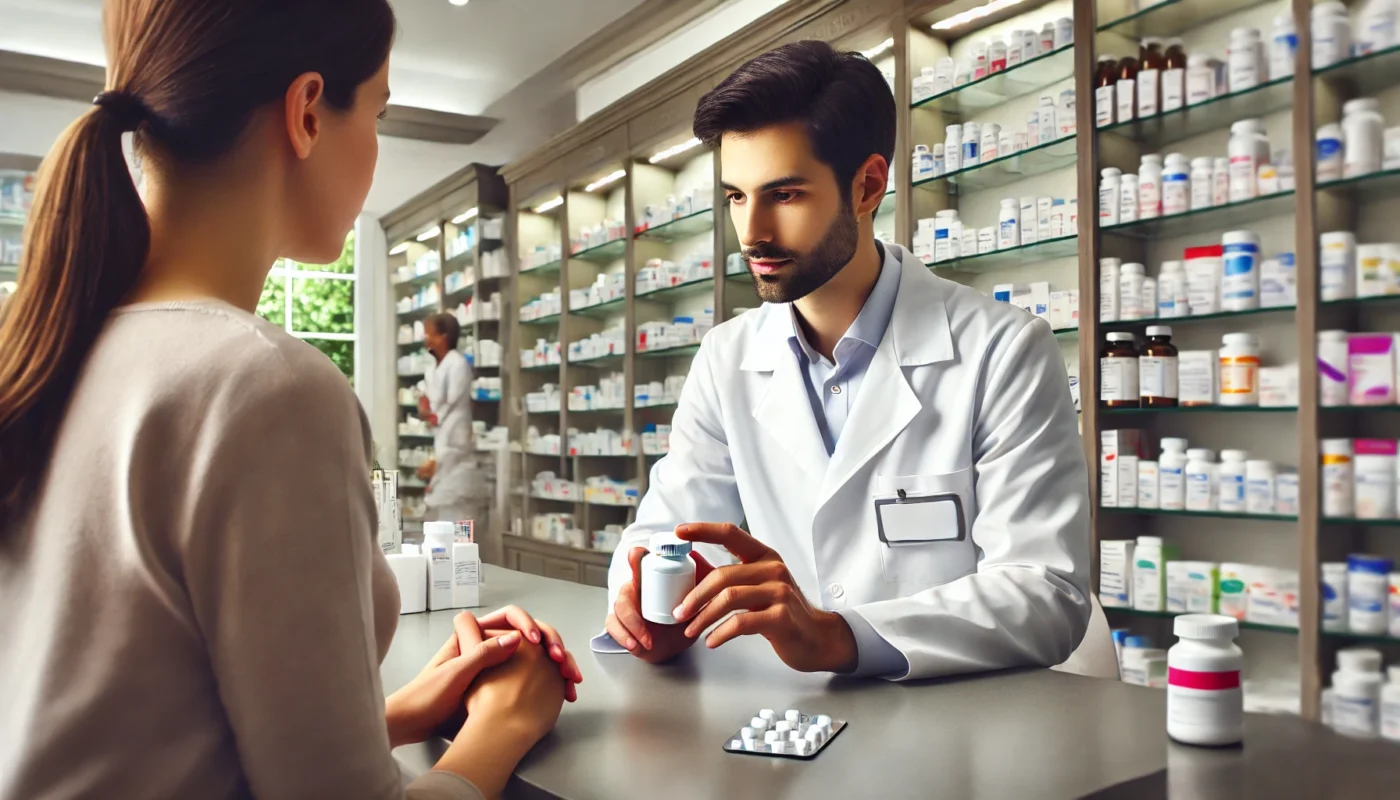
(278, 567)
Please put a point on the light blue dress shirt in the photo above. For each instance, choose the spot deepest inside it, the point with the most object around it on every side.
(831, 391)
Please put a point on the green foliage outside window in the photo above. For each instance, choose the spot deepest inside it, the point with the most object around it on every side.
(319, 305)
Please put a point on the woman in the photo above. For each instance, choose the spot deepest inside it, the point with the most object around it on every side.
(192, 602)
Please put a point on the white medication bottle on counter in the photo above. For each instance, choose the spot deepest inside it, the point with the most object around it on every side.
(1171, 475)
(1205, 700)
(1337, 478)
(668, 575)
(1367, 589)
(1390, 704)
(1231, 480)
(1109, 186)
(1239, 369)
(1239, 288)
(1201, 485)
(1332, 367)
(1334, 597)
(1259, 486)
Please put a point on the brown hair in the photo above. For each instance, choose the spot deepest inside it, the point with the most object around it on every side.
(186, 76)
(448, 326)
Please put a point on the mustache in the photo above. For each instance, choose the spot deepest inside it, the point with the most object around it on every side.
(768, 252)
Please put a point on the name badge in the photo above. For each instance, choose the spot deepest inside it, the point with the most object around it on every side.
(908, 520)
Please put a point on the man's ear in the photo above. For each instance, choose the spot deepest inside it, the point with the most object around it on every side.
(304, 105)
(868, 186)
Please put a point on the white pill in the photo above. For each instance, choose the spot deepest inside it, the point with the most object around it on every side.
(735, 744)
(823, 720)
(794, 736)
(758, 724)
(768, 714)
(748, 733)
(779, 747)
(804, 748)
(783, 726)
(771, 737)
(753, 746)
(815, 736)
(793, 715)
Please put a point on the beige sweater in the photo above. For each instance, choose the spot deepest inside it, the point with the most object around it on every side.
(196, 607)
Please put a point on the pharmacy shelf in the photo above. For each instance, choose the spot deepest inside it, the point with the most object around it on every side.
(546, 497)
(671, 352)
(1032, 161)
(422, 279)
(1066, 332)
(1124, 324)
(1363, 638)
(599, 410)
(540, 368)
(605, 253)
(1351, 409)
(1163, 512)
(1363, 302)
(603, 455)
(545, 413)
(688, 289)
(1063, 247)
(608, 308)
(1230, 216)
(418, 313)
(1156, 132)
(1173, 17)
(463, 292)
(457, 262)
(1384, 523)
(601, 362)
(1365, 188)
(1367, 74)
(1027, 77)
(655, 406)
(1213, 409)
(601, 504)
(680, 228)
(550, 268)
(1250, 626)
(417, 436)
(551, 320)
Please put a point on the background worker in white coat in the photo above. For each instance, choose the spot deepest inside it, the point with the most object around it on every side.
(904, 449)
(448, 407)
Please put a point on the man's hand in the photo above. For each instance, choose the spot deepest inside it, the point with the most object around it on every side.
(769, 602)
(427, 471)
(648, 641)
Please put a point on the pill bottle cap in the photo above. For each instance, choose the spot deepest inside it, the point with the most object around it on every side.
(1159, 330)
(1120, 336)
(1200, 454)
(1136, 269)
(668, 545)
(1332, 336)
(1149, 541)
(1172, 443)
(1233, 455)
(1359, 659)
(1205, 626)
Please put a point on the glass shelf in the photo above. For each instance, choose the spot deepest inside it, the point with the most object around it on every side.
(534, 496)
(1363, 638)
(1388, 523)
(1253, 626)
(552, 319)
(1230, 216)
(1363, 301)
(1371, 186)
(693, 225)
(428, 436)
(540, 368)
(610, 360)
(671, 352)
(1066, 331)
(1166, 512)
(1214, 114)
(1027, 77)
(605, 309)
(460, 260)
(688, 289)
(1215, 409)
(1368, 74)
(1136, 323)
(655, 406)
(1063, 247)
(1169, 18)
(602, 254)
(464, 291)
(544, 413)
(1037, 160)
(551, 268)
(419, 280)
(603, 410)
(422, 311)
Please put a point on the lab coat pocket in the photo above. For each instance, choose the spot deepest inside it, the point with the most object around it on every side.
(924, 524)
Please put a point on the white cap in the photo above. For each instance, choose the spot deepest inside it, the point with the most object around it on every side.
(1200, 454)
(1111, 172)
(1172, 266)
(1177, 158)
(1152, 157)
(668, 544)
(1336, 568)
(1159, 330)
(793, 715)
(1205, 626)
(439, 529)
(1150, 541)
(1336, 447)
(1135, 268)
(1359, 659)
(1173, 444)
(1010, 202)
(1201, 162)
(1245, 339)
(1259, 465)
(1332, 336)
(1361, 104)
(1120, 336)
(1233, 455)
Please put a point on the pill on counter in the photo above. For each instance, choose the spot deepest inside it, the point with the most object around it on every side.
(794, 736)
(758, 724)
(771, 737)
(783, 726)
(779, 747)
(815, 736)
(803, 748)
(753, 746)
(822, 721)
(793, 715)
(735, 744)
(748, 733)
(768, 714)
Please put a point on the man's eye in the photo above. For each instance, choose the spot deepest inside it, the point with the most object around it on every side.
(733, 198)
(784, 197)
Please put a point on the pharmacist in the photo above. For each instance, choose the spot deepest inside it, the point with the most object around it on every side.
(447, 407)
(903, 449)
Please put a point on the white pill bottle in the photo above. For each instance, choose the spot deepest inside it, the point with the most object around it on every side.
(1205, 702)
(668, 575)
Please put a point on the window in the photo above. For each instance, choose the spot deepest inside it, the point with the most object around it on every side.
(316, 304)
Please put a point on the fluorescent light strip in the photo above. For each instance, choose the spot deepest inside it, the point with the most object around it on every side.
(399, 249)
(878, 49)
(549, 205)
(680, 148)
(973, 14)
(464, 216)
(430, 234)
(604, 181)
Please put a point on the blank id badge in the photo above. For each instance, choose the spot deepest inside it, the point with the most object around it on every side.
(909, 519)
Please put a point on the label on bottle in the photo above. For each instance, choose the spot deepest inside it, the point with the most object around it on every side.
(1147, 88)
(1200, 491)
(1173, 89)
(1355, 714)
(1175, 191)
(1149, 198)
(1105, 101)
(1239, 376)
(1118, 379)
(1173, 487)
(1158, 376)
(1243, 177)
(1127, 99)
(1007, 237)
(1200, 191)
(1108, 203)
(1220, 187)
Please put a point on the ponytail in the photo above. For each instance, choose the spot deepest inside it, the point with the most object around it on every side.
(87, 240)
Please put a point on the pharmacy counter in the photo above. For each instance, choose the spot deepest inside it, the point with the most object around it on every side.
(644, 732)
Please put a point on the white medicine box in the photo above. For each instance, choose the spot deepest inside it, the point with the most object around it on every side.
(1118, 459)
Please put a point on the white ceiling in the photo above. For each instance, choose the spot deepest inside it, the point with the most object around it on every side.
(448, 58)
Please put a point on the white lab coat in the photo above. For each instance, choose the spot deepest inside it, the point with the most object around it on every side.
(965, 396)
(449, 398)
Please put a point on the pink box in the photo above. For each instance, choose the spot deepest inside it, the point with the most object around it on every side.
(1371, 365)
(1375, 447)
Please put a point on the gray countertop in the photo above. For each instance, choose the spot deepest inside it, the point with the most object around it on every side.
(640, 731)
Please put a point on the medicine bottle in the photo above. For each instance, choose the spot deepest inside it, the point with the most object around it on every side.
(1331, 33)
(1126, 88)
(1109, 188)
(1105, 101)
(1329, 152)
(1336, 478)
(1367, 590)
(1171, 474)
(1201, 488)
(1118, 372)
(1283, 46)
(1176, 184)
(1239, 369)
(1173, 299)
(1244, 166)
(668, 575)
(996, 56)
(1220, 182)
(1243, 59)
(1151, 62)
(1231, 480)
(1362, 130)
(1200, 178)
(1259, 486)
(1356, 687)
(1390, 704)
(1130, 280)
(1239, 282)
(1008, 227)
(1374, 469)
(1047, 126)
(1128, 198)
(991, 142)
(1047, 38)
(1157, 368)
(1109, 293)
(952, 148)
(1150, 186)
(1205, 701)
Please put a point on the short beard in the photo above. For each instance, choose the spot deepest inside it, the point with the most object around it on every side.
(811, 271)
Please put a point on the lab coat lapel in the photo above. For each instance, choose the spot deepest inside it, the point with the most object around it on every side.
(784, 411)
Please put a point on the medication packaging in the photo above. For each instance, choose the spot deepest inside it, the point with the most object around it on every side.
(1332, 357)
(1259, 486)
(668, 575)
(1390, 704)
(1278, 282)
(1240, 281)
(1116, 573)
(1239, 370)
(1149, 573)
(1334, 596)
(1230, 478)
(1118, 456)
(795, 735)
(1371, 368)
(1367, 588)
(1191, 587)
(1204, 266)
(1205, 701)
(1337, 263)
(1197, 377)
(1286, 493)
(1171, 475)
(1373, 468)
(1337, 478)
(1234, 587)
(1201, 480)
(1278, 386)
(1356, 692)
(1148, 484)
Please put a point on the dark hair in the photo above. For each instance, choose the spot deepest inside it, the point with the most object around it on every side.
(448, 326)
(186, 76)
(841, 98)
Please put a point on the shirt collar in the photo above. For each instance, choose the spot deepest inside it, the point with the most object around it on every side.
(874, 318)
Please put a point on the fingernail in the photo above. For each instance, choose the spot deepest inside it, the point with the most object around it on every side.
(557, 651)
(510, 639)
(678, 613)
(535, 637)
(630, 644)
